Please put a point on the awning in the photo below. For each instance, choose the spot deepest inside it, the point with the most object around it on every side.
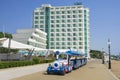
(74, 53)
(15, 45)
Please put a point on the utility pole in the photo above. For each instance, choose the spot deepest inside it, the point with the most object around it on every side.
(109, 63)
(9, 49)
(103, 59)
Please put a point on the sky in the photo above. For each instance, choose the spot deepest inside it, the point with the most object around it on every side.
(104, 19)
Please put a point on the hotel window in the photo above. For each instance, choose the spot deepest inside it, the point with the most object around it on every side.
(52, 30)
(63, 39)
(41, 22)
(57, 21)
(68, 30)
(80, 20)
(42, 29)
(41, 26)
(80, 16)
(74, 39)
(68, 43)
(80, 47)
(57, 12)
(68, 16)
(74, 11)
(74, 29)
(52, 47)
(36, 17)
(63, 21)
(63, 30)
(52, 43)
(80, 43)
(74, 25)
(74, 47)
(36, 13)
(74, 20)
(63, 25)
(41, 17)
(63, 47)
(74, 34)
(52, 17)
(57, 35)
(36, 26)
(68, 39)
(52, 26)
(63, 34)
(80, 34)
(74, 16)
(52, 34)
(74, 43)
(57, 30)
(68, 25)
(63, 43)
(52, 21)
(80, 11)
(41, 13)
(80, 29)
(80, 38)
(63, 16)
(52, 12)
(57, 17)
(68, 34)
(36, 22)
(52, 39)
(68, 20)
(68, 12)
(57, 43)
(63, 12)
(57, 47)
(57, 25)
(80, 25)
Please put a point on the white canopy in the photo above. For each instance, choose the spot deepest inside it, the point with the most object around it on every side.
(16, 45)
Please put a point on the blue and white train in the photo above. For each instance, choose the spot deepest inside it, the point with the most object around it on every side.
(66, 62)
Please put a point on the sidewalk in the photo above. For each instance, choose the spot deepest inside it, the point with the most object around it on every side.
(94, 70)
(8, 74)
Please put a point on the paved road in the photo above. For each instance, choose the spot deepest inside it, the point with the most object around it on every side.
(8, 74)
(94, 70)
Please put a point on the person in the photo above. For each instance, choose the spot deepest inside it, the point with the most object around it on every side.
(75, 60)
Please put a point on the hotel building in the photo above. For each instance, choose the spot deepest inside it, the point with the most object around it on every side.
(34, 37)
(66, 26)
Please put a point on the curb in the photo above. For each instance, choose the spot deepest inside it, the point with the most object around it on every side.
(116, 78)
(113, 75)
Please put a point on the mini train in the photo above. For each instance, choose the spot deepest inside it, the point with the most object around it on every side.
(66, 62)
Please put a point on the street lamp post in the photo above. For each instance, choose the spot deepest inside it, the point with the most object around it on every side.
(109, 63)
(103, 56)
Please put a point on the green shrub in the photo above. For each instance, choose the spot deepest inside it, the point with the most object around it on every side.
(36, 60)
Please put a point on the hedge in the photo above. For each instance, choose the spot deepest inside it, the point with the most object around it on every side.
(10, 64)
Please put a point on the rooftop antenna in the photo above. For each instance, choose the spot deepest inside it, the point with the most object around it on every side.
(78, 3)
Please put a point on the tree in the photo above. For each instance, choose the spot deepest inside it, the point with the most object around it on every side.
(96, 54)
(7, 35)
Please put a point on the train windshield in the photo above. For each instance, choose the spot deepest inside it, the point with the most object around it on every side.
(62, 56)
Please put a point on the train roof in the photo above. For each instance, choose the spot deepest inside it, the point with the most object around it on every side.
(71, 52)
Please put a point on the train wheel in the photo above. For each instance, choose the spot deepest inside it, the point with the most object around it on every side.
(48, 72)
(63, 73)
